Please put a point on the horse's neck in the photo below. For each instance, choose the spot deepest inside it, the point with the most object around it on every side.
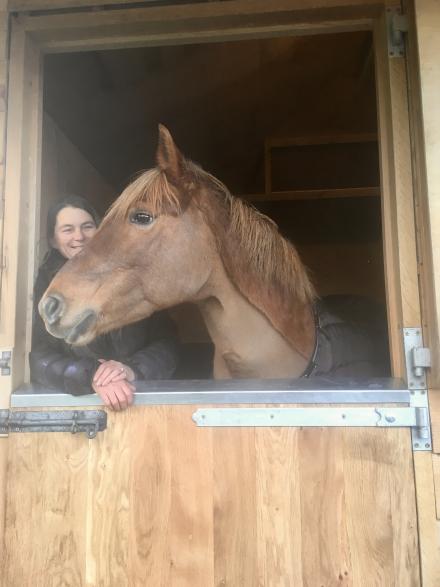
(246, 343)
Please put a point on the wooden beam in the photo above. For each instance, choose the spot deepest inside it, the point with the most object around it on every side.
(425, 70)
(232, 6)
(359, 192)
(203, 22)
(22, 187)
(321, 139)
(397, 202)
(429, 525)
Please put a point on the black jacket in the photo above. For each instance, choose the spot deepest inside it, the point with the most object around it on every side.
(149, 347)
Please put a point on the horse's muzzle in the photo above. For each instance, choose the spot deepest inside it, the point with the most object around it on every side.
(84, 324)
(53, 308)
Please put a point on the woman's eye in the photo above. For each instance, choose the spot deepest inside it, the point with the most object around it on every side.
(141, 218)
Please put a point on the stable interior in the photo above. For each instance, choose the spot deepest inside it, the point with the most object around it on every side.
(288, 123)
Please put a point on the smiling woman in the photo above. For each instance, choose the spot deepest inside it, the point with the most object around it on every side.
(73, 228)
(109, 366)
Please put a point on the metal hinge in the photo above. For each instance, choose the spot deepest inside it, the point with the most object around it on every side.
(312, 417)
(397, 25)
(415, 417)
(417, 358)
(89, 421)
(5, 362)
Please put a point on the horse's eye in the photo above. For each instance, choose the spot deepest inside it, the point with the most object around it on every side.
(143, 218)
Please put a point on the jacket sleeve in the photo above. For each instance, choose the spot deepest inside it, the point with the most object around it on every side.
(158, 359)
(51, 365)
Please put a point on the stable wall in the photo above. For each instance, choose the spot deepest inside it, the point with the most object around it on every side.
(65, 170)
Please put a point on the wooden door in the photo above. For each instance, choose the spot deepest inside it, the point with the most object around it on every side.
(157, 501)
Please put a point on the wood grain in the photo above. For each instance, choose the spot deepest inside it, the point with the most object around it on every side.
(427, 16)
(155, 500)
(436, 472)
(278, 492)
(434, 411)
(22, 196)
(423, 21)
(400, 255)
(46, 511)
(235, 507)
(326, 556)
(429, 526)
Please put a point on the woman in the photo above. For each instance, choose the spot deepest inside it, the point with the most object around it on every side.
(109, 365)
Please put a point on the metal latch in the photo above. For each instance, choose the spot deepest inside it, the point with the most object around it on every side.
(417, 358)
(88, 421)
(397, 25)
(5, 361)
(421, 359)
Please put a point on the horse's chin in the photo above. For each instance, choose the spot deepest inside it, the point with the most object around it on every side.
(82, 332)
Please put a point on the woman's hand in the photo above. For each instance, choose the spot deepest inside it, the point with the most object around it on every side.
(117, 395)
(112, 371)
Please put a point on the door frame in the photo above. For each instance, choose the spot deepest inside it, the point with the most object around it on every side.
(33, 35)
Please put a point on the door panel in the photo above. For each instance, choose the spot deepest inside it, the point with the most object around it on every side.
(155, 500)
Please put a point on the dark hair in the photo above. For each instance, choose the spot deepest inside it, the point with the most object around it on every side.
(66, 201)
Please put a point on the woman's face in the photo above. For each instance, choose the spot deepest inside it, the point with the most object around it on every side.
(74, 227)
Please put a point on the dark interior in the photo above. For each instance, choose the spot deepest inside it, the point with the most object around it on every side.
(287, 123)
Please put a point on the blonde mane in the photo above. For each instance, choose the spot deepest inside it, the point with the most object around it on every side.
(252, 241)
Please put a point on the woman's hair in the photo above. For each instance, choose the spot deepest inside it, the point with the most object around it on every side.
(68, 201)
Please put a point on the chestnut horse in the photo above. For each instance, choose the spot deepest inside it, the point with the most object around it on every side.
(177, 235)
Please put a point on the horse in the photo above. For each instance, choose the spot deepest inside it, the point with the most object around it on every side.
(176, 234)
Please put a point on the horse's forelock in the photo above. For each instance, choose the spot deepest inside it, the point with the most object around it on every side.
(151, 189)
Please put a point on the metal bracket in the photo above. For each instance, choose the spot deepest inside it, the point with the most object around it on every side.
(397, 25)
(421, 432)
(417, 358)
(89, 421)
(5, 362)
(388, 417)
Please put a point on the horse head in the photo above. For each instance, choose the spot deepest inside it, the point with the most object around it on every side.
(175, 235)
(151, 251)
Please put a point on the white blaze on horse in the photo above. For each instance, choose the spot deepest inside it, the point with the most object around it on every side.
(177, 235)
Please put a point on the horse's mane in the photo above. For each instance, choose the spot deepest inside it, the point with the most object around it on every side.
(262, 264)
(252, 241)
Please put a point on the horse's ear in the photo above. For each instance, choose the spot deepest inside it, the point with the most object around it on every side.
(168, 156)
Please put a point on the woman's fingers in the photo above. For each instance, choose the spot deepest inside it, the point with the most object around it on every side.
(112, 371)
(111, 374)
(105, 370)
(99, 371)
(117, 395)
(123, 393)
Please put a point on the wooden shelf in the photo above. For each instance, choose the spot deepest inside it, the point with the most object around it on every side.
(329, 139)
(363, 192)
(274, 143)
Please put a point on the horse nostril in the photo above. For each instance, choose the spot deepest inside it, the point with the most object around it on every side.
(52, 308)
